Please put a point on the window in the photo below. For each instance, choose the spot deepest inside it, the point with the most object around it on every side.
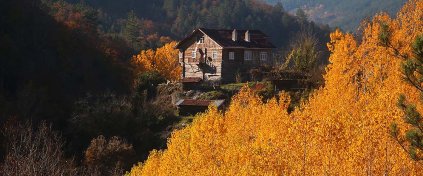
(200, 40)
(181, 54)
(231, 56)
(214, 55)
(263, 56)
(248, 55)
(193, 55)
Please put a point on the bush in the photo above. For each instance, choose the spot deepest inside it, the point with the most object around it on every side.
(109, 157)
(130, 117)
(148, 82)
(235, 87)
(111, 115)
(213, 95)
(265, 90)
(34, 152)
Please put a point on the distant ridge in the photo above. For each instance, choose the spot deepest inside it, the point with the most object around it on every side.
(346, 14)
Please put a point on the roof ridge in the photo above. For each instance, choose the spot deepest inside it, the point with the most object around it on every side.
(223, 38)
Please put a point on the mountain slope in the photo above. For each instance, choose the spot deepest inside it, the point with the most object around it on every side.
(45, 65)
(178, 18)
(343, 13)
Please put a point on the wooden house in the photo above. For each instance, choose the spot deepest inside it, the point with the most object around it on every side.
(218, 55)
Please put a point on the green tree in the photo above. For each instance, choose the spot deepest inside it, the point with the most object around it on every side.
(90, 17)
(131, 30)
(304, 54)
(170, 7)
(412, 69)
(301, 15)
(279, 7)
(148, 82)
(182, 23)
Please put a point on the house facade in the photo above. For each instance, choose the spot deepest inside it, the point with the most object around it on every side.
(222, 55)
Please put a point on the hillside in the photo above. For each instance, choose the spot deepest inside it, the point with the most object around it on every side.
(365, 120)
(344, 13)
(178, 18)
(51, 61)
(93, 87)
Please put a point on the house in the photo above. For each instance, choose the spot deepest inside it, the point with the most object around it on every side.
(191, 107)
(217, 55)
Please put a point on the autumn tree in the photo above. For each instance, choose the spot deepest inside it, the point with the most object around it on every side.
(79, 16)
(342, 129)
(163, 60)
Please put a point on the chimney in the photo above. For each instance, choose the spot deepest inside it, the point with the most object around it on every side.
(247, 36)
(234, 35)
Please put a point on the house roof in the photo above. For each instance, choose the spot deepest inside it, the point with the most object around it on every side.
(203, 103)
(191, 80)
(223, 37)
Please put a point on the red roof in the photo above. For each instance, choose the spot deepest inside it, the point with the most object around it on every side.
(191, 80)
(206, 103)
(259, 86)
(189, 102)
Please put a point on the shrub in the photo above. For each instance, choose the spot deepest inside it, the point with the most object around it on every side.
(148, 82)
(111, 115)
(265, 90)
(34, 152)
(213, 95)
(108, 157)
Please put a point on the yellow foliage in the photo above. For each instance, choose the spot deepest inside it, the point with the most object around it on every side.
(164, 61)
(343, 129)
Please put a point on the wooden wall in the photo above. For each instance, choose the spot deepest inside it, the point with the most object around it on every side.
(209, 69)
(220, 69)
(230, 68)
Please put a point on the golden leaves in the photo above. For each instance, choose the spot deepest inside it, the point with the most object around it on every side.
(343, 129)
(164, 61)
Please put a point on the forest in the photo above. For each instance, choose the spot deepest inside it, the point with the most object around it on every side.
(88, 87)
(177, 18)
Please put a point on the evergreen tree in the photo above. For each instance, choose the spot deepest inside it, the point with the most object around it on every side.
(182, 22)
(279, 7)
(412, 70)
(170, 7)
(131, 30)
(90, 17)
(301, 15)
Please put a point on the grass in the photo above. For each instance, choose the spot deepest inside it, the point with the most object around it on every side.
(183, 122)
(212, 95)
(236, 86)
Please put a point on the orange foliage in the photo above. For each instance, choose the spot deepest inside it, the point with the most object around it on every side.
(72, 17)
(343, 129)
(164, 60)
